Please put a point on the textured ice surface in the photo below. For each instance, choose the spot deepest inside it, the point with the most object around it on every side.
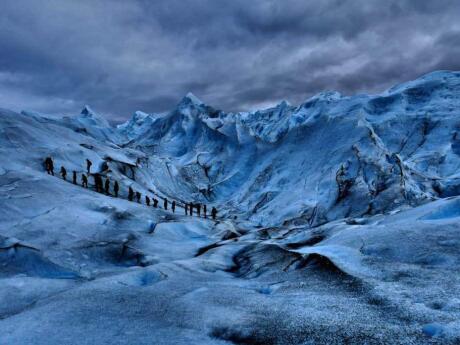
(340, 224)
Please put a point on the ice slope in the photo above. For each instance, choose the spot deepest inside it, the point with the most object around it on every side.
(328, 158)
(382, 280)
(139, 123)
(88, 122)
(337, 262)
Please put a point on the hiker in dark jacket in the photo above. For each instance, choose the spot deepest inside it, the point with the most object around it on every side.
(107, 186)
(190, 208)
(173, 206)
(138, 197)
(84, 181)
(98, 183)
(49, 166)
(165, 203)
(63, 173)
(74, 177)
(204, 211)
(101, 184)
(88, 166)
(116, 188)
(130, 194)
(214, 213)
(198, 209)
(155, 202)
(147, 200)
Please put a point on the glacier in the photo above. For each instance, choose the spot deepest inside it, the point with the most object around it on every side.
(338, 223)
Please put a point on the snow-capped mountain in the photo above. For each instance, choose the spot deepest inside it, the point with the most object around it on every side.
(139, 123)
(328, 158)
(338, 223)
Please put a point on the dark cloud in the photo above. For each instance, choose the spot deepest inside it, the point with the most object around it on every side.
(121, 56)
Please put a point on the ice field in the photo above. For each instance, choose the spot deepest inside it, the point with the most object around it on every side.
(338, 223)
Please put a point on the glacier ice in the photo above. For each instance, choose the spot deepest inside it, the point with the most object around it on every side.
(338, 223)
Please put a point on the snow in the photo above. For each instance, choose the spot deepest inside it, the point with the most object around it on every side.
(195, 100)
(338, 223)
(280, 150)
(137, 125)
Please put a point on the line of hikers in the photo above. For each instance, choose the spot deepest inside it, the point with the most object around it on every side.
(104, 187)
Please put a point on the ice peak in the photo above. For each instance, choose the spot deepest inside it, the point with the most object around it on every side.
(88, 114)
(283, 104)
(140, 115)
(328, 95)
(427, 80)
(87, 110)
(191, 98)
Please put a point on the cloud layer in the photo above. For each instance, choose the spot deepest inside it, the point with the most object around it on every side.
(121, 56)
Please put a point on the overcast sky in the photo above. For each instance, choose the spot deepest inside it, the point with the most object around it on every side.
(122, 56)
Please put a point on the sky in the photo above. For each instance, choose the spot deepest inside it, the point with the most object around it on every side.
(121, 56)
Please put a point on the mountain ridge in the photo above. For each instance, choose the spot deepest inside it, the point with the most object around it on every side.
(344, 209)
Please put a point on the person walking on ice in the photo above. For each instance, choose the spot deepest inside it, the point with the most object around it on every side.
(74, 177)
(155, 202)
(49, 165)
(173, 206)
(138, 197)
(88, 166)
(63, 173)
(107, 186)
(98, 183)
(147, 200)
(130, 194)
(116, 188)
(84, 181)
(165, 203)
(214, 213)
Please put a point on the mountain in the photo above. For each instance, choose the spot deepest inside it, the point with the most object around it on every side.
(137, 125)
(338, 222)
(328, 158)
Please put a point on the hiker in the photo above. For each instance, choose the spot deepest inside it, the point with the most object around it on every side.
(130, 194)
(49, 166)
(98, 182)
(147, 200)
(101, 184)
(63, 173)
(88, 165)
(74, 177)
(84, 181)
(116, 188)
(214, 213)
(190, 209)
(155, 202)
(165, 203)
(204, 210)
(138, 197)
(173, 206)
(186, 209)
(198, 209)
(107, 186)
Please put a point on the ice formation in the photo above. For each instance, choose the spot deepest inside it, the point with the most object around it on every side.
(338, 223)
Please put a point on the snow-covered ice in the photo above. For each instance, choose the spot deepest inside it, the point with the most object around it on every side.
(338, 223)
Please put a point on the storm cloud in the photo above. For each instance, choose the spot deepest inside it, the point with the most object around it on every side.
(122, 56)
